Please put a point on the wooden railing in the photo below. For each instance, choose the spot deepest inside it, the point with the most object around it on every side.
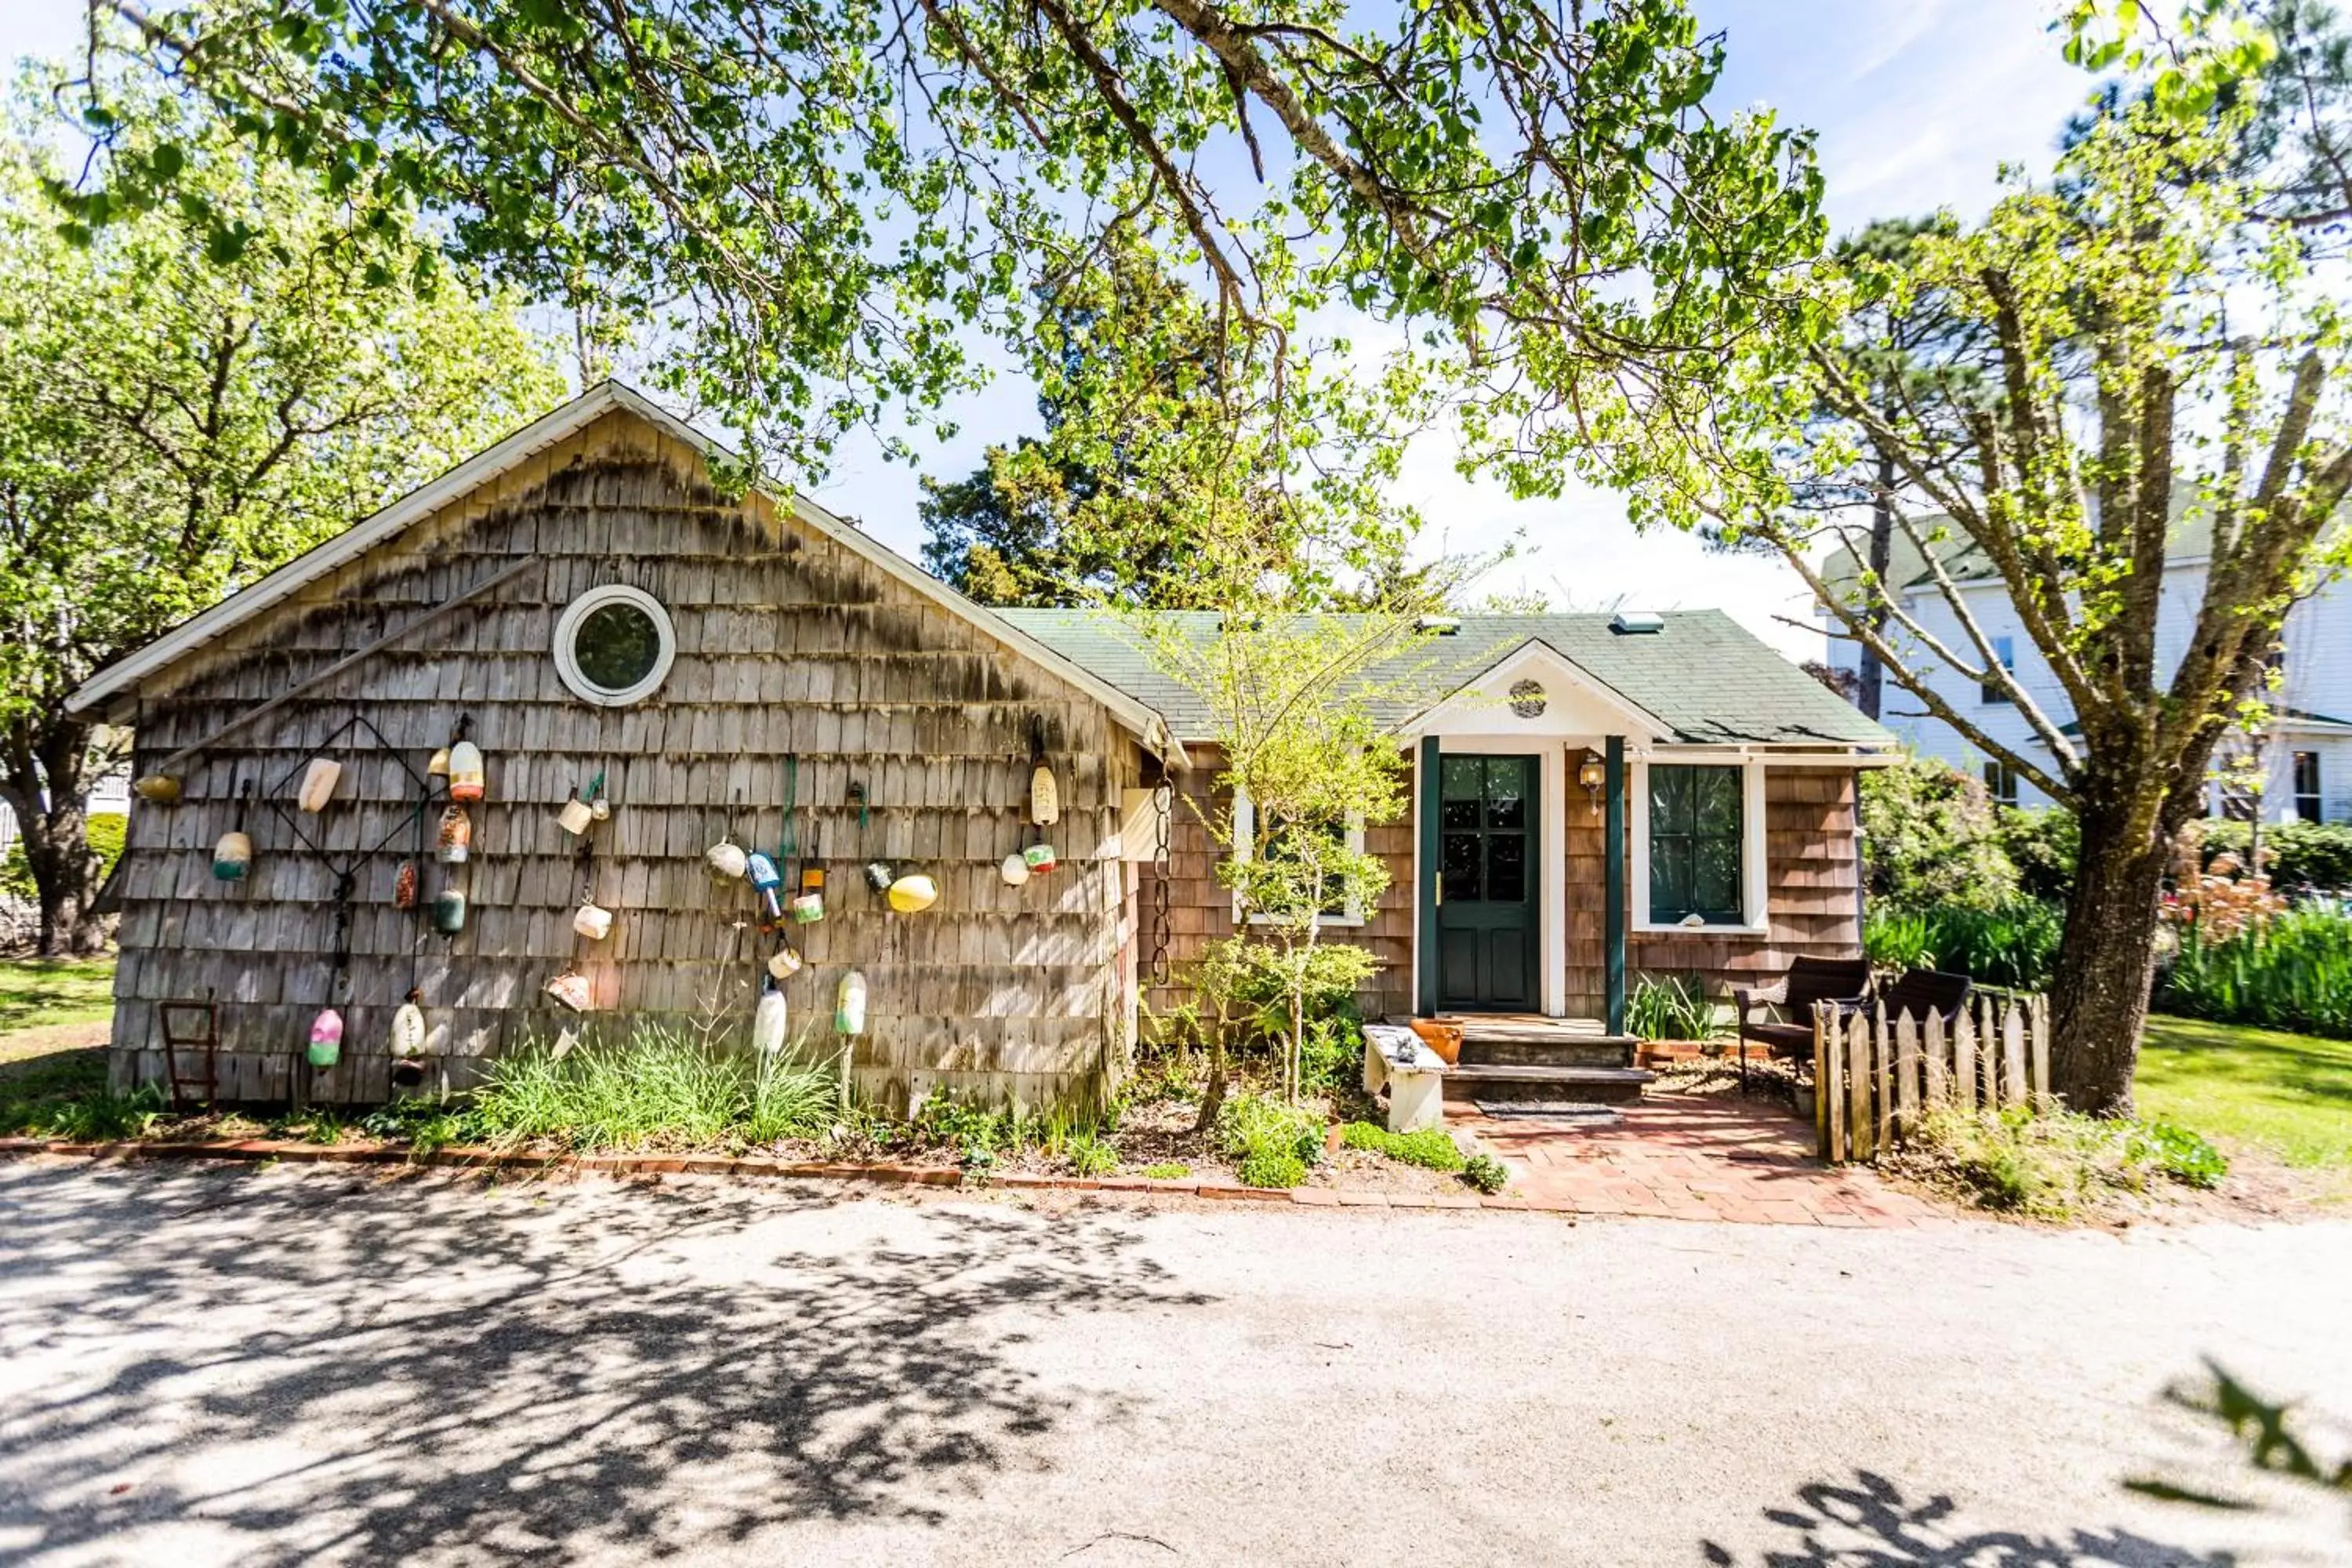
(1875, 1076)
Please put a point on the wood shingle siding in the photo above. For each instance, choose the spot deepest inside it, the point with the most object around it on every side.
(787, 642)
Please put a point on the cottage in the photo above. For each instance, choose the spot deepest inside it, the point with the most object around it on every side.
(574, 733)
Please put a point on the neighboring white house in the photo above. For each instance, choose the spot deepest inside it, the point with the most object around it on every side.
(110, 797)
(2303, 756)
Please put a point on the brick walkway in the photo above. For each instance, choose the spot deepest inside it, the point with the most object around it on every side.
(1691, 1157)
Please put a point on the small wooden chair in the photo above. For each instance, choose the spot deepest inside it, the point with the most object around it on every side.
(1842, 981)
(1922, 992)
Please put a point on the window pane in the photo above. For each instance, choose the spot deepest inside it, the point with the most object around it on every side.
(1506, 793)
(1670, 873)
(1718, 790)
(616, 647)
(1458, 867)
(1715, 878)
(1458, 815)
(1507, 867)
(1670, 800)
(1462, 778)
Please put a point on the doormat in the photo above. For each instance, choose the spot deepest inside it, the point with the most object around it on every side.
(1581, 1113)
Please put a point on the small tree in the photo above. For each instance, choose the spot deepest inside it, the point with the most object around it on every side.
(1303, 765)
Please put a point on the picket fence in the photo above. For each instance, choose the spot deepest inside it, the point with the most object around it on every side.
(1874, 1076)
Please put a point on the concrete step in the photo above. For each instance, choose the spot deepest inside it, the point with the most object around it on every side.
(1506, 1080)
(1556, 1050)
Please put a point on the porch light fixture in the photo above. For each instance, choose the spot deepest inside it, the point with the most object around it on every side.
(1593, 774)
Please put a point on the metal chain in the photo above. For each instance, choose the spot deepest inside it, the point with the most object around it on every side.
(1163, 807)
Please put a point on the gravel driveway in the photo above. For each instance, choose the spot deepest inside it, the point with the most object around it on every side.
(259, 1367)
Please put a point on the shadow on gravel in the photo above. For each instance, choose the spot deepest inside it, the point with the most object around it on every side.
(1871, 1524)
(375, 1370)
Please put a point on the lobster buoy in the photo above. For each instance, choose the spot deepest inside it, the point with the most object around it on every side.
(1039, 858)
(850, 1005)
(807, 909)
(403, 886)
(318, 784)
(438, 768)
(912, 895)
(784, 962)
(449, 911)
(765, 880)
(326, 1039)
(1045, 796)
(571, 988)
(879, 876)
(575, 818)
(1015, 869)
(728, 862)
(233, 856)
(407, 1030)
(158, 789)
(767, 1021)
(466, 770)
(457, 836)
(593, 921)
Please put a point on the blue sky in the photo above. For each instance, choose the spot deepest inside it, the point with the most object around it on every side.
(1917, 104)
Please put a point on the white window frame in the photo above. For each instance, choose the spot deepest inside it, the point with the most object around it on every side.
(1246, 838)
(1755, 883)
(567, 628)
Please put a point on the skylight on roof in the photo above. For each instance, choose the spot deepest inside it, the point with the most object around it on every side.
(1638, 623)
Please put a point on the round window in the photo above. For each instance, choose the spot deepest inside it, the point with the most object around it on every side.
(614, 644)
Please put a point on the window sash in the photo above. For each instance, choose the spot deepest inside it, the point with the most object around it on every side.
(1699, 835)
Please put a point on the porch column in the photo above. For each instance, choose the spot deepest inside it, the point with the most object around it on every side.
(1433, 794)
(1612, 942)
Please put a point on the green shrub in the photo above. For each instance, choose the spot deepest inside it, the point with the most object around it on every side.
(1487, 1173)
(2055, 1164)
(103, 1117)
(1333, 1056)
(2294, 973)
(2319, 852)
(2184, 1156)
(1272, 1143)
(1670, 1007)
(1931, 837)
(105, 832)
(656, 1086)
(1168, 1171)
(2015, 946)
(2041, 843)
(1089, 1155)
(1429, 1147)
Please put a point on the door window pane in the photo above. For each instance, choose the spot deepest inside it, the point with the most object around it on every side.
(1507, 793)
(1458, 866)
(1507, 867)
(1462, 778)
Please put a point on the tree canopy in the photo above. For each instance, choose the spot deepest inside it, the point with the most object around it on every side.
(821, 201)
(175, 423)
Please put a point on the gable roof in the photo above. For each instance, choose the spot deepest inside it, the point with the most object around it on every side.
(558, 424)
(1706, 678)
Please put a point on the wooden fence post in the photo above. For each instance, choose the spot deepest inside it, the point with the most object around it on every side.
(1832, 1087)
(1939, 1081)
(2038, 1015)
(1964, 1062)
(1906, 1075)
(1820, 1090)
(2012, 1054)
(1858, 1087)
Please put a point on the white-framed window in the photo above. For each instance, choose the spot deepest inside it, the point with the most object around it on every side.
(1699, 843)
(2004, 649)
(614, 644)
(2310, 806)
(1350, 913)
(2000, 781)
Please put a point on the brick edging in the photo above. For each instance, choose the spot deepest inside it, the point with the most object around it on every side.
(466, 1157)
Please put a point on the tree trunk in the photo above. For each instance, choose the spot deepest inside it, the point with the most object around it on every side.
(2106, 962)
(1872, 684)
(43, 786)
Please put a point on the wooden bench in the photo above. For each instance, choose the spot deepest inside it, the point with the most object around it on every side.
(1413, 1075)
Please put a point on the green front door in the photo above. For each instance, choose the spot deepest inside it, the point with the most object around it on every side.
(1486, 912)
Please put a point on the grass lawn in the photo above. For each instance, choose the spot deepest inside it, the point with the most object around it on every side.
(41, 994)
(53, 1016)
(2288, 1094)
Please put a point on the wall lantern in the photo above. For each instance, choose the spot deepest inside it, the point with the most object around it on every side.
(1593, 774)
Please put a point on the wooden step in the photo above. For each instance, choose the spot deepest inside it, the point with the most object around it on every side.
(1512, 1081)
(1558, 1051)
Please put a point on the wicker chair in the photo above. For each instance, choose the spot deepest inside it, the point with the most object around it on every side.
(1842, 981)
